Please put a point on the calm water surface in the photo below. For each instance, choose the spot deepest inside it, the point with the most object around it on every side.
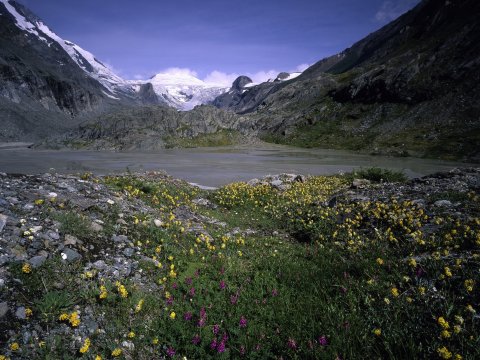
(210, 166)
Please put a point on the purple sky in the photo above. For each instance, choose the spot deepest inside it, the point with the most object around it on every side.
(140, 38)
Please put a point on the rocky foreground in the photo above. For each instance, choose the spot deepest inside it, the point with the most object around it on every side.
(147, 266)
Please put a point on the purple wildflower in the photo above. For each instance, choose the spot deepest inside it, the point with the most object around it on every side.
(233, 299)
(174, 285)
(188, 281)
(274, 292)
(213, 344)
(292, 344)
(221, 347)
(188, 316)
(197, 273)
(170, 300)
(216, 329)
(222, 285)
(192, 292)
(243, 322)
(196, 340)
(171, 352)
(323, 341)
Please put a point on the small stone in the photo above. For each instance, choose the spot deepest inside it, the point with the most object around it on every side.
(36, 229)
(360, 183)
(70, 255)
(19, 252)
(120, 238)
(20, 313)
(443, 203)
(128, 252)
(276, 183)
(128, 345)
(3, 260)
(96, 227)
(121, 222)
(53, 235)
(99, 265)
(28, 207)
(3, 221)
(158, 223)
(70, 240)
(37, 261)
(58, 285)
(2, 283)
(110, 201)
(3, 309)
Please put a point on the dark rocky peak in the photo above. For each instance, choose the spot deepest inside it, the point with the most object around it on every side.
(240, 83)
(282, 76)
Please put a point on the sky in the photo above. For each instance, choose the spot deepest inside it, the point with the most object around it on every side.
(215, 40)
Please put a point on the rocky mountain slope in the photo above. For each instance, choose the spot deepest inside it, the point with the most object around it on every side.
(409, 88)
(49, 85)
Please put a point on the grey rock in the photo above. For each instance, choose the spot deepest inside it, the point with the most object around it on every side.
(70, 240)
(4, 259)
(3, 309)
(53, 235)
(360, 183)
(120, 238)
(36, 229)
(2, 283)
(28, 206)
(37, 261)
(276, 183)
(99, 265)
(128, 252)
(96, 227)
(158, 223)
(71, 255)
(3, 222)
(91, 326)
(443, 203)
(20, 313)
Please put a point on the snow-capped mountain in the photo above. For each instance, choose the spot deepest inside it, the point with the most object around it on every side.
(182, 89)
(85, 60)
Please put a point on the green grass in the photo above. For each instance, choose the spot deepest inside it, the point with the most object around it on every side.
(219, 138)
(268, 295)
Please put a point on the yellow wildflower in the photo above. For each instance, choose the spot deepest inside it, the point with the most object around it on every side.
(28, 312)
(155, 341)
(445, 334)
(379, 261)
(443, 323)
(98, 357)
(448, 272)
(74, 319)
(395, 292)
(412, 262)
(117, 352)
(131, 335)
(377, 332)
(86, 346)
(469, 285)
(14, 346)
(172, 315)
(444, 353)
(139, 306)
(27, 268)
(63, 317)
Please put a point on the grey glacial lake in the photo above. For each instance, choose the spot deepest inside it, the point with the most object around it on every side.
(211, 166)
